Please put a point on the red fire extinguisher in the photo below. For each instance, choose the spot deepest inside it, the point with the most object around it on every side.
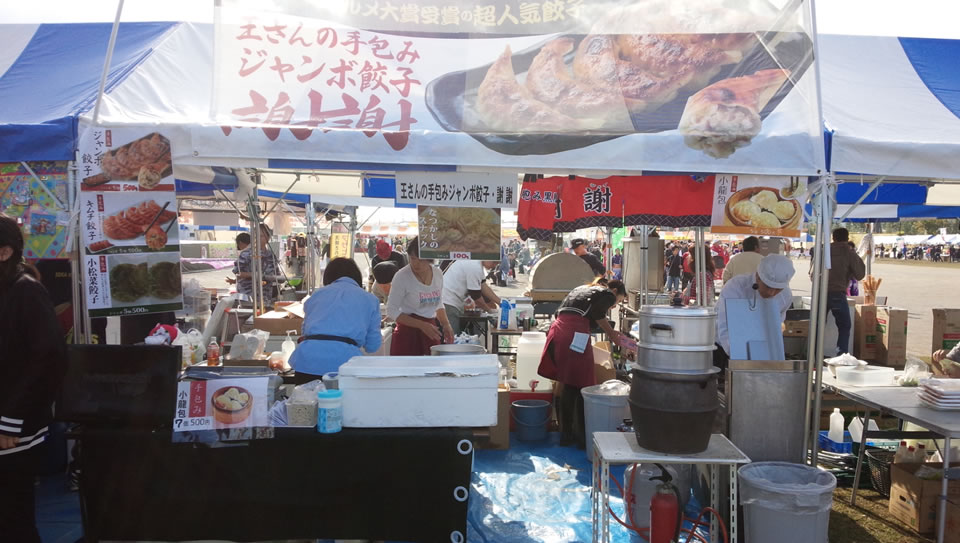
(665, 515)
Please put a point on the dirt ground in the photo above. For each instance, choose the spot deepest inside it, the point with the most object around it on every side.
(917, 287)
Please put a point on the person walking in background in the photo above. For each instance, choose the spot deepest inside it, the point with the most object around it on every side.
(32, 365)
(690, 293)
(846, 264)
(579, 248)
(242, 241)
(744, 262)
(616, 264)
(674, 265)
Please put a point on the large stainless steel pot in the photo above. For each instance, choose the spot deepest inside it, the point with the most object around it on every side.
(670, 358)
(678, 326)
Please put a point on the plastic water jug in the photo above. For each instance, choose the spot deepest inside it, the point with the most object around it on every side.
(836, 426)
(529, 349)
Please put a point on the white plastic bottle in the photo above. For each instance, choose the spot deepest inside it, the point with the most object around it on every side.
(901, 455)
(288, 346)
(836, 426)
(329, 411)
(911, 454)
(921, 455)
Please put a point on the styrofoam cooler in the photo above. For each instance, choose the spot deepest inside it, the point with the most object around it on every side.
(604, 408)
(419, 391)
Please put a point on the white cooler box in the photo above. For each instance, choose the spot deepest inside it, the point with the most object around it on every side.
(419, 391)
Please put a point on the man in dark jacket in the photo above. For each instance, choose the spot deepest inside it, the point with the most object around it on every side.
(844, 265)
(32, 364)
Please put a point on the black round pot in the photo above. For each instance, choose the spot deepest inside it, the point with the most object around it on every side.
(673, 413)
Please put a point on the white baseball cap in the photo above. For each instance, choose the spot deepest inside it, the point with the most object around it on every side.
(775, 271)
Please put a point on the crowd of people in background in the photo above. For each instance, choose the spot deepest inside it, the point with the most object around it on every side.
(930, 253)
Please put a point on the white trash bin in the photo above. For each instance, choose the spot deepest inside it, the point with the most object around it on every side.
(786, 503)
(604, 408)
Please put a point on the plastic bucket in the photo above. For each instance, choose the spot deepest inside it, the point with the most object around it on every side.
(532, 417)
(603, 412)
(786, 503)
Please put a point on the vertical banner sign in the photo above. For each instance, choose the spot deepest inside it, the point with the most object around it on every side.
(459, 233)
(340, 246)
(758, 204)
(128, 222)
(222, 410)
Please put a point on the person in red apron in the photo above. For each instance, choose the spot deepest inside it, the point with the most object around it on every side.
(415, 303)
(568, 354)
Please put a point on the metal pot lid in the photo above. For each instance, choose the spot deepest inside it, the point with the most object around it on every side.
(677, 348)
(673, 375)
(691, 311)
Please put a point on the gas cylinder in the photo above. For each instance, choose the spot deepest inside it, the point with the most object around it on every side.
(664, 511)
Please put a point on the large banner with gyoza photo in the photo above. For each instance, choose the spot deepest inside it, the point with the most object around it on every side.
(129, 233)
(574, 85)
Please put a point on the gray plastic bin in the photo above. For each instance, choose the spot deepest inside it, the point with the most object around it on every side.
(604, 409)
(786, 503)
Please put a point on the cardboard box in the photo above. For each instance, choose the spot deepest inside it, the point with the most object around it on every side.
(946, 328)
(796, 328)
(951, 530)
(603, 362)
(892, 328)
(913, 501)
(500, 433)
(278, 323)
(866, 340)
(880, 334)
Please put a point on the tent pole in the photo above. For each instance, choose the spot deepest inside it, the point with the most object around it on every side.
(106, 62)
(81, 320)
(310, 276)
(869, 262)
(815, 331)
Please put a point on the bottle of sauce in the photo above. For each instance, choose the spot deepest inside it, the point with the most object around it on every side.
(213, 352)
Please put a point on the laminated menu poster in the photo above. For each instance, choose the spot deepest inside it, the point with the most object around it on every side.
(459, 233)
(762, 205)
(128, 222)
(222, 410)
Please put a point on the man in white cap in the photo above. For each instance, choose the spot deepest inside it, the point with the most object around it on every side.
(771, 281)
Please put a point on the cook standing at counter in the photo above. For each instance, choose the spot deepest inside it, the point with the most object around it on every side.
(416, 305)
(771, 281)
(568, 353)
(339, 318)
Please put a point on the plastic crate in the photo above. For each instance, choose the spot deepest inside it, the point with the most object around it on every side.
(879, 460)
(827, 444)
(849, 447)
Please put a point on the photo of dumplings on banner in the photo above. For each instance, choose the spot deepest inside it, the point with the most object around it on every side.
(758, 204)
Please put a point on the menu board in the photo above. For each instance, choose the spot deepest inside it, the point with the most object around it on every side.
(758, 204)
(128, 222)
(459, 233)
(339, 245)
(222, 410)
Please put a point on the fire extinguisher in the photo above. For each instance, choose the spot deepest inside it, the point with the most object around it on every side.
(665, 515)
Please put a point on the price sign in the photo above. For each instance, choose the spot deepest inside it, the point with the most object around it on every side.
(459, 255)
(221, 410)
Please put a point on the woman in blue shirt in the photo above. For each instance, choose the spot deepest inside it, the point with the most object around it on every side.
(340, 318)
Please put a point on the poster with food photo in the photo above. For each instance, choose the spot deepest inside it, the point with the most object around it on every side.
(129, 284)
(758, 204)
(129, 222)
(459, 233)
(222, 410)
(124, 160)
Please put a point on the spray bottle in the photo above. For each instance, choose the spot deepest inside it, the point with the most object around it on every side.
(288, 346)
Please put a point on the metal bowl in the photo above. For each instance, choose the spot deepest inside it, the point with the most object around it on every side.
(455, 349)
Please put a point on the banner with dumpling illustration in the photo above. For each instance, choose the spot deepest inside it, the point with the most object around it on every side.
(623, 85)
(763, 205)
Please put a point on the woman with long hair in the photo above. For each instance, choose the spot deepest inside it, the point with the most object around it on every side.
(568, 353)
(709, 274)
(32, 363)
